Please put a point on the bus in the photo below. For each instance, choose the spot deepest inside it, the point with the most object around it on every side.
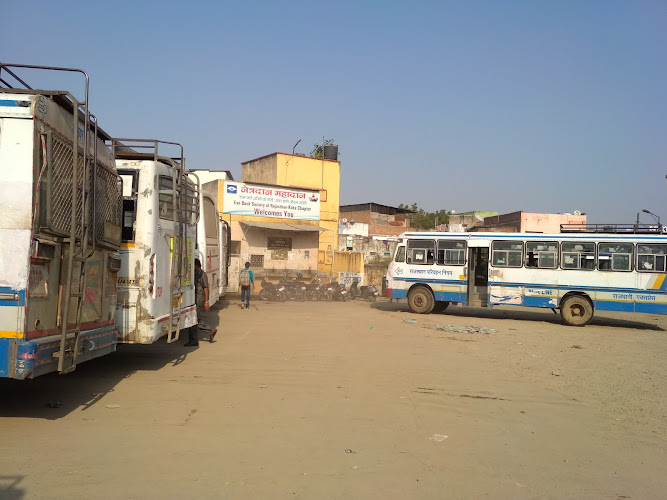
(156, 292)
(213, 241)
(60, 231)
(578, 271)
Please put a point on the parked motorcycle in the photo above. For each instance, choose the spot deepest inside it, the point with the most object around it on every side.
(338, 292)
(271, 291)
(369, 293)
(295, 289)
(314, 290)
(354, 289)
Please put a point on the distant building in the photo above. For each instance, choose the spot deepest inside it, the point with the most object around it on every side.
(525, 222)
(382, 220)
(465, 221)
(372, 229)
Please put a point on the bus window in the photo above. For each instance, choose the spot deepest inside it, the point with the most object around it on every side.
(211, 219)
(615, 256)
(129, 204)
(451, 252)
(400, 254)
(578, 255)
(507, 253)
(651, 258)
(166, 197)
(421, 252)
(542, 254)
(129, 216)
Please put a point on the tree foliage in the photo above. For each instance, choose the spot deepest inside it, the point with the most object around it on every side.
(421, 219)
(318, 149)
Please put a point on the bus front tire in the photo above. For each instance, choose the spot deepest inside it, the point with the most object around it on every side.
(576, 310)
(420, 300)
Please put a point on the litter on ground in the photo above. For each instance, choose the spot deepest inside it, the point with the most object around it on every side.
(411, 321)
(462, 329)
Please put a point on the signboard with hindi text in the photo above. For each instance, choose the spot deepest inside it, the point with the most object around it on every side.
(271, 201)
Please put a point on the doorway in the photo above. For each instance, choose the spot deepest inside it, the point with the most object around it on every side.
(478, 277)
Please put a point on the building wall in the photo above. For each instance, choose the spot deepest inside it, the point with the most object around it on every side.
(466, 221)
(526, 222)
(372, 247)
(380, 224)
(356, 229)
(262, 170)
(310, 173)
(548, 223)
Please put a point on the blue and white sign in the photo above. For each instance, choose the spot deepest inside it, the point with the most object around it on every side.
(271, 201)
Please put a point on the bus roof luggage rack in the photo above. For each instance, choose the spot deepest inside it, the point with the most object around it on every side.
(145, 149)
(613, 228)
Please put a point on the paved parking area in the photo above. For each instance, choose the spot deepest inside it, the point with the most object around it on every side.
(353, 400)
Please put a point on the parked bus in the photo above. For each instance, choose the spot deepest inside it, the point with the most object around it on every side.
(578, 271)
(156, 294)
(212, 246)
(60, 231)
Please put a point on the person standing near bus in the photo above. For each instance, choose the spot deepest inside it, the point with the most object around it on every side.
(246, 279)
(201, 300)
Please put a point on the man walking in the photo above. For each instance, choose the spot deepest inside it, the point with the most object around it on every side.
(246, 279)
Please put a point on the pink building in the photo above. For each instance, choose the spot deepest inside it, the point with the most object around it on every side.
(524, 222)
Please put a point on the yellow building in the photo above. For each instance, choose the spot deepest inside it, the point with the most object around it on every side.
(301, 172)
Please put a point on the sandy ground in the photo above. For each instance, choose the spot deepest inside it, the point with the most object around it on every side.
(353, 400)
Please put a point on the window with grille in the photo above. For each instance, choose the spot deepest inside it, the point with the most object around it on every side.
(421, 252)
(578, 255)
(542, 254)
(615, 256)
(651, 258)
(451, 252)
(507, 253)
(256, 261)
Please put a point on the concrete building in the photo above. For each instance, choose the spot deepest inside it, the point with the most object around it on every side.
(304, 173)
(372, 229)
(283, 217)
(465, 221)
(382, 220)
(525, 222)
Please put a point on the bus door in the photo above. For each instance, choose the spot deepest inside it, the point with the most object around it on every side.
(478, 274)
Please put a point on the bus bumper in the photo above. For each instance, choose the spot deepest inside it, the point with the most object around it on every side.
(22, 359)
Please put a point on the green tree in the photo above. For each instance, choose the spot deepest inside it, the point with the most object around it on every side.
(318, 149)
(421, 219)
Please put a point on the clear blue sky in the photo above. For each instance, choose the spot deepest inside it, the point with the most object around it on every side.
(541, 106)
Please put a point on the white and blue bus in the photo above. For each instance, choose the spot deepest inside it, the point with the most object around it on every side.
(578, 271)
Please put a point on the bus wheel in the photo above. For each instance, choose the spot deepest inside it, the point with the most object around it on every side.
(420, 300)
(576, 310)
(440, 306)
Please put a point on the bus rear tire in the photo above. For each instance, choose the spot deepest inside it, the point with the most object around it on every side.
(420, 300)
(576, 310)
(440, 305)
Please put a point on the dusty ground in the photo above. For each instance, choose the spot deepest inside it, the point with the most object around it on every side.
(348, 400)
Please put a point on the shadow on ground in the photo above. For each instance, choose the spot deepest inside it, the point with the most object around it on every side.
(523, 314)
(53, 396)
(10, 487)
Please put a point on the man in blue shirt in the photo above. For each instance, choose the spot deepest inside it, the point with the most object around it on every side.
(246, 279)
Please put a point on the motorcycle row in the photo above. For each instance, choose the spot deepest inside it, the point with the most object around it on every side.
(315, 290)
